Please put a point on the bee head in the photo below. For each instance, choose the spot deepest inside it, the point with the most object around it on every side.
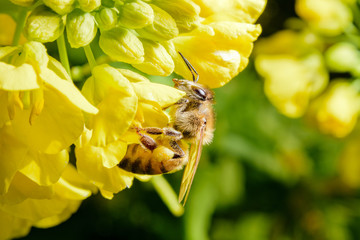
(194, 90)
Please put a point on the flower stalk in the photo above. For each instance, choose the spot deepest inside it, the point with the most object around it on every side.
(63, 53)
(168, 195)
(90, 56)
(19, 26)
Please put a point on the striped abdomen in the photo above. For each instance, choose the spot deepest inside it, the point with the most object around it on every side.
(143, 161)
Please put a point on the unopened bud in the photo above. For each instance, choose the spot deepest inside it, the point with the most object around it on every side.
(122, 45)
(80, 28)
(342, 57)
(61, 7)
(43, 25)
(157, 60)
(185, 12)
(163, 27)
(136, 14)
(89, 5)
(106, 18)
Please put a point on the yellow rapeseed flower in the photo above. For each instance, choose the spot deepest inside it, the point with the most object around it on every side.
(220, 47)
(294, 72)
(336, 111)
(124, 99)
(43, 108)
(29, 204)
(329, 17)
(41, 115)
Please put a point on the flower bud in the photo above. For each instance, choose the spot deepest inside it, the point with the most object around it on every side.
(157, 60)
(43, 25)
(185, 12)
(106, 18)
(163, 27)
(61, 7)
(122, 45)
(89, 5)
(24, 3)
(136, 14)
(80, 28)
(337, 110)
(342, 57)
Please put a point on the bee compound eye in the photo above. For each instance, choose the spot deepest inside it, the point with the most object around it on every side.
(200, 92)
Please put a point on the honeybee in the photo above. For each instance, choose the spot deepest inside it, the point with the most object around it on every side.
(163, 150)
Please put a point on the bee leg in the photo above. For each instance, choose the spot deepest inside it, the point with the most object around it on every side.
(179, 153)
(170, 132)
(147, 141)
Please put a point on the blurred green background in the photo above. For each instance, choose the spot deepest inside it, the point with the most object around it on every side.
(265, 176)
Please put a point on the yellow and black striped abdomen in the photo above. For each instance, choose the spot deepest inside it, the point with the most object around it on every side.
(161, 160)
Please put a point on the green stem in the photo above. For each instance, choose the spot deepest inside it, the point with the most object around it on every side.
(90, 56)
(19, 26)
(63, 53)
(168, 195)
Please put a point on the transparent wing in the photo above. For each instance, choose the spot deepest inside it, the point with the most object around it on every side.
(191, 166)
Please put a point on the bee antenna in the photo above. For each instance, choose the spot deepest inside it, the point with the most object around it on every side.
(191, 68)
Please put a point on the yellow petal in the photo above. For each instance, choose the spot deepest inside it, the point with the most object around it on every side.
(68, 90)
(229, 10)
(66, 190)
(37, 209)
(90, 164)
(286, 89)
(72, 176)
(10, 148)
(329, 17)
(18, 78)
(106, 194)
(22, 188)
(153, 116)
(58, 126)
(7, 50)
(54, 220)
(116, 101)
(4, 115)
(337, 110)
(13, 227)
(45, 169)
(58, 69)
(218, 53)
(156, 93)
(290, 83)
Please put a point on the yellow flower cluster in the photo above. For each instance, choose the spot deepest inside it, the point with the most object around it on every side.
(101, 148)
(42, 113)
(296, 65)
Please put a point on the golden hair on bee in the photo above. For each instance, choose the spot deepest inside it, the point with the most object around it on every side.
(163, 150)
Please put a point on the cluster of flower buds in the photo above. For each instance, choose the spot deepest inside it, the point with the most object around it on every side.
(135, 32)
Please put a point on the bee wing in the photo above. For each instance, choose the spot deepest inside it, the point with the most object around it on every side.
(191, 166)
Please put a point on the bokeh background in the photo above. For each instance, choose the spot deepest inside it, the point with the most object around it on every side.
(265, 176)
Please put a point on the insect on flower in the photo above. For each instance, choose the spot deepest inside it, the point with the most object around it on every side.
(167, 150)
